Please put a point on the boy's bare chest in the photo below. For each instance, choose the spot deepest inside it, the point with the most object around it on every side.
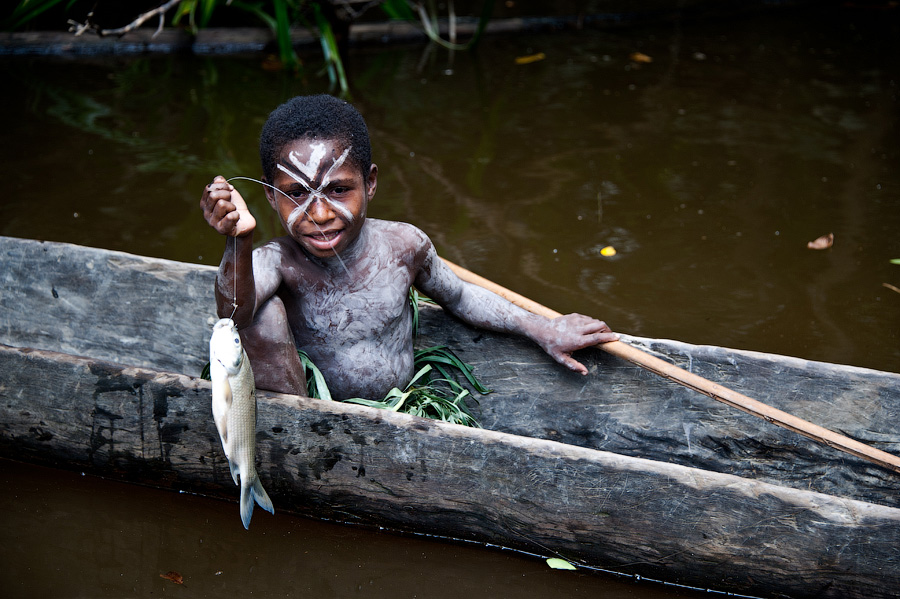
(361, 306)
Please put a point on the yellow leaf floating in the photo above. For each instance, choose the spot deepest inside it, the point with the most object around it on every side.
(608, 251)
(530, 58)
(640, 57)
(560, 564)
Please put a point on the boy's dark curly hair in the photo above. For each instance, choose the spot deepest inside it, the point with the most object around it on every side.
(314, 117)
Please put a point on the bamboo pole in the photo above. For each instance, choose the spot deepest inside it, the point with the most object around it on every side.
(698, 383)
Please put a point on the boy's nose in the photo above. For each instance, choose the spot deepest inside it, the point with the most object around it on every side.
(320, 211)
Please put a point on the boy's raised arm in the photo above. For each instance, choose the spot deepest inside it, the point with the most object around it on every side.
(479, 307)
(226, 212)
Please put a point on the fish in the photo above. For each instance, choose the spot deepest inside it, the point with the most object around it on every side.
(234, 412)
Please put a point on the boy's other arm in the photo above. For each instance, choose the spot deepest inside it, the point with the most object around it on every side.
(479, 307)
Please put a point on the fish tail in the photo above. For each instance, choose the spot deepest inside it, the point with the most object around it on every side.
(262, 498)
(246, 505)
(254, 493)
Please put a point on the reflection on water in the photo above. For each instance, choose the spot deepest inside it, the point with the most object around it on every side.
(708, 169)
(136, 535)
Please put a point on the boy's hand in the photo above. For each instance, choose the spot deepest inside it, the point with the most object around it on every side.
(569, 333)
(225, 210)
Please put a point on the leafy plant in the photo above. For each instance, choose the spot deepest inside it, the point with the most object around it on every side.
(428, 396)
(428, 15)
(316, 387)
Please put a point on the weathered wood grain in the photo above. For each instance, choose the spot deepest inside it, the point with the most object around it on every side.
(108, 305)
(355, 464)
(622, 408)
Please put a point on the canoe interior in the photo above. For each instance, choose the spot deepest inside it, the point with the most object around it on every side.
(157, 314)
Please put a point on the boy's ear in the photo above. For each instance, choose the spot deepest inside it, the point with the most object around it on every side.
(270, 194)
(372, 182)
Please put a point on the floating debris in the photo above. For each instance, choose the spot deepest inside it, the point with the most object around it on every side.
(822, 243)
(640, 57)
(560, 564)
(173, 576)
(530, 58)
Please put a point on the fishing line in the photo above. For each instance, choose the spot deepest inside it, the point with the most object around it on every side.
(303, 208)
(234, 304)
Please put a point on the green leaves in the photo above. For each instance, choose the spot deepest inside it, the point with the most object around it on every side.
(334, 63)
(435, 391)
(445, 361)
(316, 387)
(27, 10)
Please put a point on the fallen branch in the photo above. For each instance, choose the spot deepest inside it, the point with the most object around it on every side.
(160, 11)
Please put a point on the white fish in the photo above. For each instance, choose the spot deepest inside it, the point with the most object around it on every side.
(234, 411)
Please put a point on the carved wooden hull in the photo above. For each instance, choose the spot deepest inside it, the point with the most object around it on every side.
(619, 470)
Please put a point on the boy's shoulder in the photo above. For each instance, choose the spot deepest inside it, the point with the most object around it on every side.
(396, 230)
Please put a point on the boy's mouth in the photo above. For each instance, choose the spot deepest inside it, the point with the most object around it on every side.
(324, 240)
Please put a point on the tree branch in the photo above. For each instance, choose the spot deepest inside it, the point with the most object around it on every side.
(79, 28)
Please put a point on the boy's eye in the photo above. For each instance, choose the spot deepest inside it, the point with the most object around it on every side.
(298, 193)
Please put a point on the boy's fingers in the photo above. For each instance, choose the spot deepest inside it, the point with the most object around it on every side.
(572, 364)
(598, 338)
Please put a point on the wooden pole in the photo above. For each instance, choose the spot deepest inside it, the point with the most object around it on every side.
(698, 383)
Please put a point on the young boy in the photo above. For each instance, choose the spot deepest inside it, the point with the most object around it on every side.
(336, 286)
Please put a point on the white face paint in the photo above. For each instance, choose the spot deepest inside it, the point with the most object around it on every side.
(310, 169)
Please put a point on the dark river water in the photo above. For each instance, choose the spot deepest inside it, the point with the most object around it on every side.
(708, 169)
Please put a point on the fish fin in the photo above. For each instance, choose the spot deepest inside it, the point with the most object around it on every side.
(262, 498)
(246, 505)
(235, 471)
(221, 402)
(250, 494)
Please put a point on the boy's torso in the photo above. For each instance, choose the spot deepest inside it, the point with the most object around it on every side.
(352, 316)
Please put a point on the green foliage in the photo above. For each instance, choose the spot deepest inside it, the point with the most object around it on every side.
(399, 10)
(315, 382)
(28, 10)
(435, 391)
(447, 364)
(430, 396)
(333, 62)
(428, 15)
(414, 299)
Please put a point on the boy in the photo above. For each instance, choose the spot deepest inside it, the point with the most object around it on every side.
(336, 285)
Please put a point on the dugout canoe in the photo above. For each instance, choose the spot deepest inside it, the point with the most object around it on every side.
(100, 353)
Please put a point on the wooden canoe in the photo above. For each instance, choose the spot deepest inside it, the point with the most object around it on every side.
(620, 470)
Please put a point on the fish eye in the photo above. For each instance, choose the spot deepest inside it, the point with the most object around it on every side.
(237, 340)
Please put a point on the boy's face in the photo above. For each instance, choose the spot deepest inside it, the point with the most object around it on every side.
(324, 197)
